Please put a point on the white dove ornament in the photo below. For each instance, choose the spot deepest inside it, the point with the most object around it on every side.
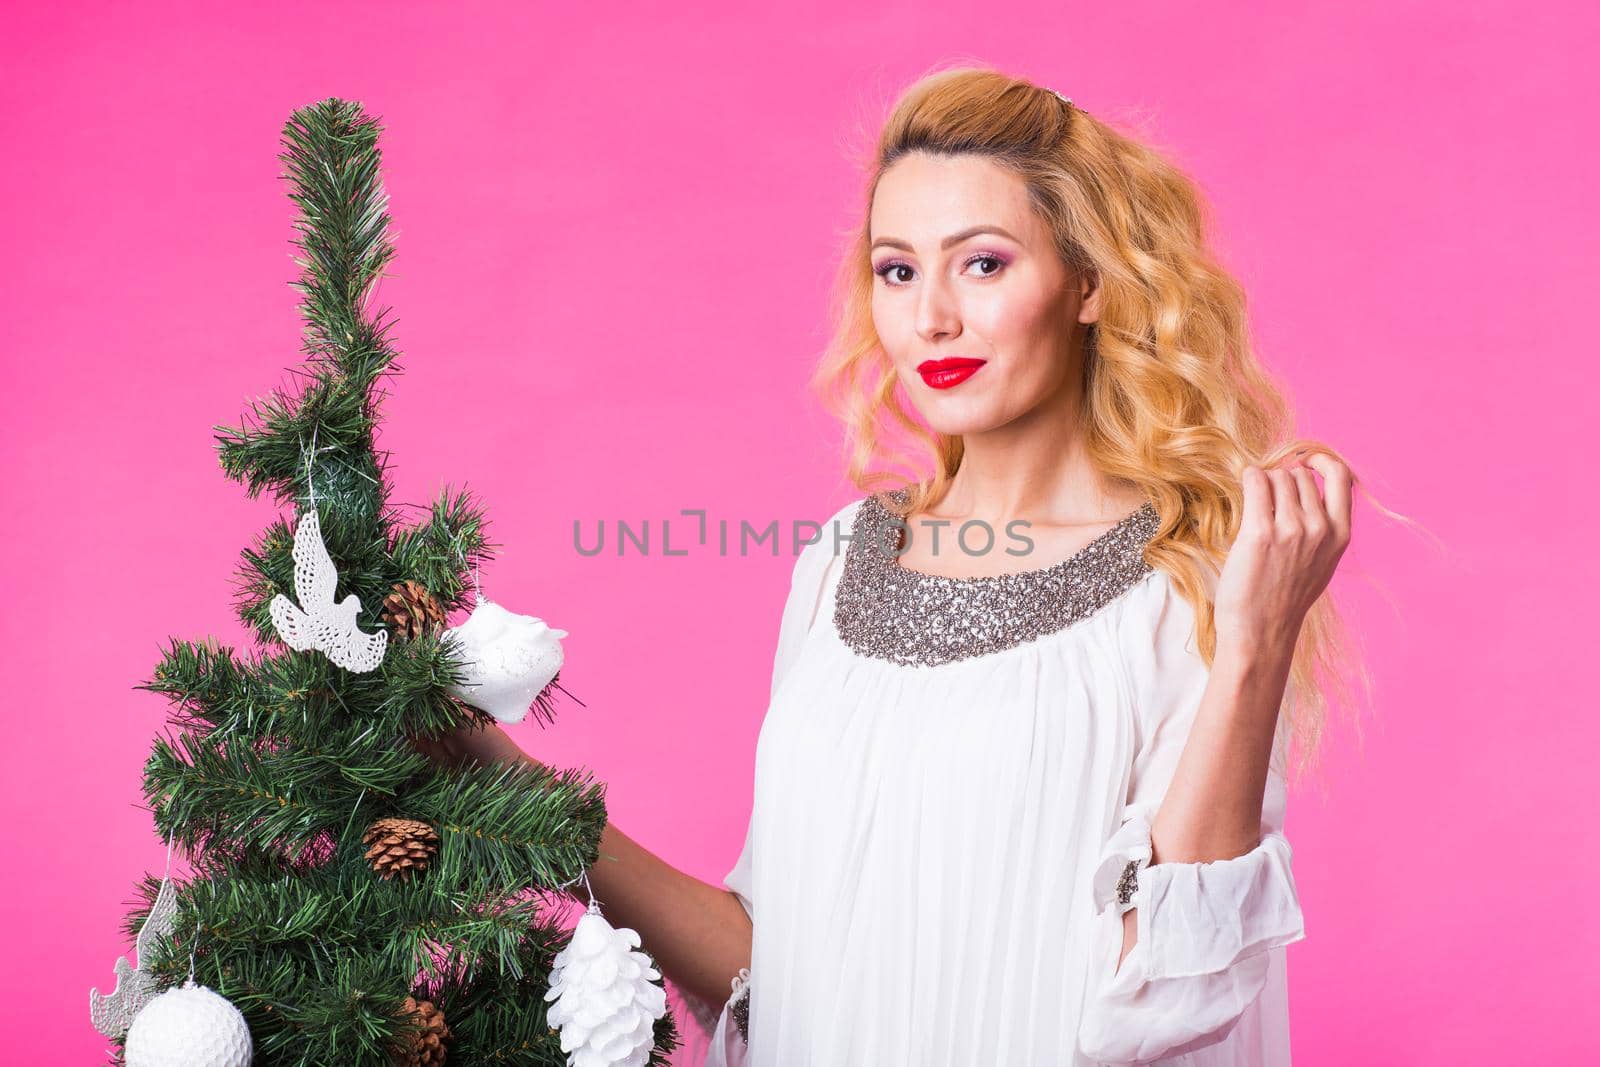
(509, 659)
(113, 1013)
(318, 622)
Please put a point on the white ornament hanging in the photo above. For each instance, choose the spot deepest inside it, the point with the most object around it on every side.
(136, 986)
(189, 1026)
(318, 623)
(607, 999)
(509, 659)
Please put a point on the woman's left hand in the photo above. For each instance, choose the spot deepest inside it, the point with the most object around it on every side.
(1288, 545)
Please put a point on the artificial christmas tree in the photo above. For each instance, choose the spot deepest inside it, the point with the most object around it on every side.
(349, 896)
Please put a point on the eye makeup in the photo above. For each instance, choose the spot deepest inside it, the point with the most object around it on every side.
(882, 270)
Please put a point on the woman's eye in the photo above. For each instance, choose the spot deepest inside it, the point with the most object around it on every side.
(996, 260)
(888, 272)
(887, 269)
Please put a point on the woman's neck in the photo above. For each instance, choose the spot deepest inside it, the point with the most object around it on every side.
(1035, 467)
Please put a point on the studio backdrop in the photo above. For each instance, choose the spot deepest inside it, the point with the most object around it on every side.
(615, 231)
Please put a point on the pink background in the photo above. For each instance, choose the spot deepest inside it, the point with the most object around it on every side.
(615, 230)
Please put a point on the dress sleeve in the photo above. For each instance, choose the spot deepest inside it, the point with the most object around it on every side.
(1204, 929)
(806, 584)
(726, 1026)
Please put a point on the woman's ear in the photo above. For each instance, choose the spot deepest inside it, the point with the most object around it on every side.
(1089, 297)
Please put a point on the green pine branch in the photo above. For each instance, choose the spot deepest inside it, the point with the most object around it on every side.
(260, 793)
(438, 552)
(518, 823)
(332, 164)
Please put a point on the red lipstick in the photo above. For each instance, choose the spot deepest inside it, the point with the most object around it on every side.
(948, 373)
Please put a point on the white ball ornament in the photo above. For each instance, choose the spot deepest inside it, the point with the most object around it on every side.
(189, 1026)
(606, 998)
(509, 659)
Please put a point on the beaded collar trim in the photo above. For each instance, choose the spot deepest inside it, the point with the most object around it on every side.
(887, 611)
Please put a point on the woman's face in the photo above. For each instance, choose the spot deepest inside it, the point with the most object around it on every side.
(968, 275)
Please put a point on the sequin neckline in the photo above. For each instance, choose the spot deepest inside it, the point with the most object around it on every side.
(1033, 575)
(887, 611)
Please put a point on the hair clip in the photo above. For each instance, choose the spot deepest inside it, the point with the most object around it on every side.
(1064, 99)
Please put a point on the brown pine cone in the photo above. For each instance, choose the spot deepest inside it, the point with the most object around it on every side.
(400, 847)
(411, 611)
(424, 1048)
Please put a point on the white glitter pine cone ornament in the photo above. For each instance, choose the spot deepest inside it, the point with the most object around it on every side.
(509, 659)
(607, 998)
(189, 1026)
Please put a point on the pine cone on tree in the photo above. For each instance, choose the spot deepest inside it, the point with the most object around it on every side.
(424, 1048)
(411, 611)
(400, 847)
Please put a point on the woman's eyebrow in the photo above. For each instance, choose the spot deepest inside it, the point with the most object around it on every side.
(953, 239)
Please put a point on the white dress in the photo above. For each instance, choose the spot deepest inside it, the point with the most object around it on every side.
(952, 780)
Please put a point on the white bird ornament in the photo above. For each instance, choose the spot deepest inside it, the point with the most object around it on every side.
(113, 1013)
(318, 622)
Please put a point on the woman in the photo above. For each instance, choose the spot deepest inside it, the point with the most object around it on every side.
(1020, 791)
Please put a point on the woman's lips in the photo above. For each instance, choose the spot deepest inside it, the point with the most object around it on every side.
(948, 373)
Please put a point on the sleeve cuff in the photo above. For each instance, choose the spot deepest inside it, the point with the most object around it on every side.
(1200, 918)
(1130, 844)
(1199, 957)
(730, 1031)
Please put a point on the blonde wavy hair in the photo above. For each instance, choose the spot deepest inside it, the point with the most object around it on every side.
(1174, 400)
